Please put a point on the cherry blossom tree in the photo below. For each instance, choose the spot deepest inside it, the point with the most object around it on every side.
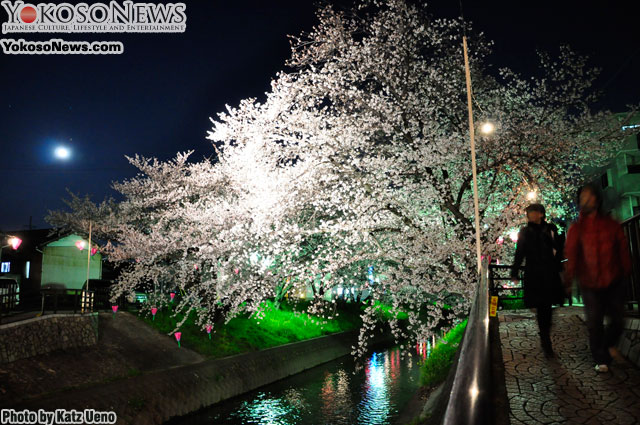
(353, 174)
(374, 106)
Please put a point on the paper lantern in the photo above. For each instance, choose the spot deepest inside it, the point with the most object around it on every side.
(14, 242)
(209, 327)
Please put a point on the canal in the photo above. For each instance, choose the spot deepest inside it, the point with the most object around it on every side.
(327, 394)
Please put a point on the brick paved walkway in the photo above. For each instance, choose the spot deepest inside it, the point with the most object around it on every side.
(566, 389)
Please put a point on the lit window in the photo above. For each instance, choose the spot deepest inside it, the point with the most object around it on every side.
(5, 267)
(27, 269)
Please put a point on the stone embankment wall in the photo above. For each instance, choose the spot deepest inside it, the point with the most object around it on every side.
(155, 397)
(48, 333)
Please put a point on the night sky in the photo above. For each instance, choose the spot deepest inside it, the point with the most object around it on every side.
(157, 97)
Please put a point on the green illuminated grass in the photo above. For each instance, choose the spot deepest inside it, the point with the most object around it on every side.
(436, 367)
(243, 334)
(512, 304)
(384, 312)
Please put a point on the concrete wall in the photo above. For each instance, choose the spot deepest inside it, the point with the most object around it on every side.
(155, 397)
(44, 334)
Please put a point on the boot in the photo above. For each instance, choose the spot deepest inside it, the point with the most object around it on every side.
(545, 342)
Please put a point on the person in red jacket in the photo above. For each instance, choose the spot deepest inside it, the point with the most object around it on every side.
(597, 255)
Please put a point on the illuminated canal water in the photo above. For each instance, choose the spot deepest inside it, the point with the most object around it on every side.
(328, 394)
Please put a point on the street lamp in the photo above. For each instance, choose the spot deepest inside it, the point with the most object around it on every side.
(13, 242)
(487, 128)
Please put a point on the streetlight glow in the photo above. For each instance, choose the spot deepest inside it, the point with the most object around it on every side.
(487, 128)
(532, 195)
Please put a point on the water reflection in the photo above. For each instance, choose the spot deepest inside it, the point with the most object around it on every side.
(271, 411)
(375, 405)
(335, 396)
(328, 394)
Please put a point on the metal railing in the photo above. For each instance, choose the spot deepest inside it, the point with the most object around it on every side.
(500, 282)
(8, 295)
(468, 400)
(632, 232)
(53, 298)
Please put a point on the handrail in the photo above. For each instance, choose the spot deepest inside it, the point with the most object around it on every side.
(631, 229)
(471, 385)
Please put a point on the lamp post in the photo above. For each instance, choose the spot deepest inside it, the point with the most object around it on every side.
(473, 154)
(88, 256)
(80, 245)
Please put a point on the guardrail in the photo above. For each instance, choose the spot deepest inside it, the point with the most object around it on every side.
(471, 382)
(632, 231)
(53, 298)
(9, 292)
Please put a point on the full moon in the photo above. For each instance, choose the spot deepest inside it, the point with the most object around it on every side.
(62, 153)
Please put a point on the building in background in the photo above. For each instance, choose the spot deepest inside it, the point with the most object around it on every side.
(64, 260)
(620, 179)
(42, 259)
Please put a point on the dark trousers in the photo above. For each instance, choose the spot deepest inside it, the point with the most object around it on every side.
(598, 303)
(543, 313)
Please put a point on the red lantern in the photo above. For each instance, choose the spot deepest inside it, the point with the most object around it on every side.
(14, 242)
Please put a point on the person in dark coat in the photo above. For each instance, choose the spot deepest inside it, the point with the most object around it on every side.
(538, 245)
